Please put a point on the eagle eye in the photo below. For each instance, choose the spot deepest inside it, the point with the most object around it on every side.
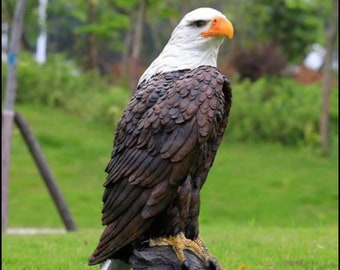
(199, 23)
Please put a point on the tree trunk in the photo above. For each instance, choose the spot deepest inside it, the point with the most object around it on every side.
(42, 38)
(327, 79)
(8, 113)
(45, 172)
(92, 61)
(136, 44)
(124, 65)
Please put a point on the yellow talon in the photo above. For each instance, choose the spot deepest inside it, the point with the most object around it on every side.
(179, 243)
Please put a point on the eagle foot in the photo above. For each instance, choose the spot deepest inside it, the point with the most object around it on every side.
(212, 261)
(179, 243)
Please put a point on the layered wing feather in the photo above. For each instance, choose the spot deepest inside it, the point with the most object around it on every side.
(158, 143)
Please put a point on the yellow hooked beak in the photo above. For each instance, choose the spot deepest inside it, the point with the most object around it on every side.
(219, 27)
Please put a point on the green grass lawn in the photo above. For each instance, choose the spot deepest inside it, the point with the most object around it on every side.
(263, 205)
(279, 248)
(252, 246)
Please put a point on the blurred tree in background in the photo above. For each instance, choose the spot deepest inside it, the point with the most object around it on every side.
(101, 34)
(120, 38)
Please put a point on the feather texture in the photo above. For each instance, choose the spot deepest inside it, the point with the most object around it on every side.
(164, 146)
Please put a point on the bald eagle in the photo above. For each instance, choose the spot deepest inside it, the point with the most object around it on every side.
(166, 140)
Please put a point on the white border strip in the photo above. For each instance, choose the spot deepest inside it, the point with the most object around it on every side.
(34, 231)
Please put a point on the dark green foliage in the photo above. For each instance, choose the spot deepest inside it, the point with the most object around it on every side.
(270, 109)
(291, 27)
(279, 110)
(59, 84)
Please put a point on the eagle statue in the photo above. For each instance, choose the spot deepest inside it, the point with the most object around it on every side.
(165, 143)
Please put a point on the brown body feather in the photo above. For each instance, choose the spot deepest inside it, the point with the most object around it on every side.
(165, 144)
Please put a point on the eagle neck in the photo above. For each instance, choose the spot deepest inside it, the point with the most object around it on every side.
(182, 56)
